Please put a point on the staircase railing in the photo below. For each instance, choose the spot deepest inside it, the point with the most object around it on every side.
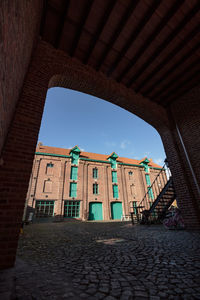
(154, 189)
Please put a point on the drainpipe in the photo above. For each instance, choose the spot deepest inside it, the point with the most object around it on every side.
(188, 160)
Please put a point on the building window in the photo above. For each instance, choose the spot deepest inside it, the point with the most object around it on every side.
(115, 192)
(75, 158)
(73, 190)
(148, 181)
(47, 186)
(50, 165)
(150, 193)
(44, 209)
(114, 176)
(135, 207)
(130, 174)
(95, 189)
(95, 173)
(49, 168)
(71, 209)
(74, 173)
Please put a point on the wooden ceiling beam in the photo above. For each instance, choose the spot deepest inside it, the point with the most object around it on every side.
(117, 32)
(176, 83)
(152, 37)
(187, 85)
(165, 43)
(100, 28)
(43, 18)
(134, 35)
(172, 54)
(86, 11)
(61, 23)
(174, 68)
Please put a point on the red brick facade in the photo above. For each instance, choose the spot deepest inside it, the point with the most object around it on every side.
(131, 181)
(178, 124)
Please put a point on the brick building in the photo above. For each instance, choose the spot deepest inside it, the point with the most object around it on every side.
(140, 55)
(72, 183)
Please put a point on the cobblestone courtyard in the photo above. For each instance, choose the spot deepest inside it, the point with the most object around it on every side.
(115, 260)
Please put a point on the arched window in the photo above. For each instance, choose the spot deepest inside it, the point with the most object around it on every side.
(130, 174)
(47, 186)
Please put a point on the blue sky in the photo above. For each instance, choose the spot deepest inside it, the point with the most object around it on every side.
(72, 118)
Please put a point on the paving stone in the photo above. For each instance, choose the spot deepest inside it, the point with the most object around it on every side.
(64, 260)
(140, 294)
(110, 298)
(91, 291)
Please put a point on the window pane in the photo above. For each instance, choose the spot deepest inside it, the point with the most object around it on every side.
(115, 191)
(95, 173)
(74, 173)
(73, 189)
(114, 176)
(44, 208)
(71, 209)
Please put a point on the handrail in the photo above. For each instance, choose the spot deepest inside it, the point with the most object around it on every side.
(155, 188)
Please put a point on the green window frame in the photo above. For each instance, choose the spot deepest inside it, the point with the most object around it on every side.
(44, 209)
(115, 191)
(50, 165)
(95, 189)
(150, 193)
(114, 176)
(135, 207)
(71, 209)
(74, 173)
(95, 173)
(113, 163)
(148, 180)
(75, 158)
(73, 189)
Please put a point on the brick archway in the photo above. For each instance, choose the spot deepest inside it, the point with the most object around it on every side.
(49, 68)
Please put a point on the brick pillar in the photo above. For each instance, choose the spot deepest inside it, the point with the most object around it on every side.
(17, 155)
(184, 116)
(187, 197)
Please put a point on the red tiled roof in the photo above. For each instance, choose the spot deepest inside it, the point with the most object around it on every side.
(90, 155)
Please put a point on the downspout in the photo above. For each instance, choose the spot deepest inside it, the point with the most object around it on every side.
(188, 160)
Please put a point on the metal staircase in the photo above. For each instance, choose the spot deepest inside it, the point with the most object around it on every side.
(158, 199)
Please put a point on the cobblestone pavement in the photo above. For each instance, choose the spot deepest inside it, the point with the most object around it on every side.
(115, 260)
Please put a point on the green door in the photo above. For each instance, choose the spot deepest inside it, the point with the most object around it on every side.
(116, 210)
(95, 211)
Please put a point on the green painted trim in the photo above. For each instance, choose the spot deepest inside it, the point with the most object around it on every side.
(134, 165)
(96, 160)
(50, 154)
(75, 149)
(156, 168)
(89, 159)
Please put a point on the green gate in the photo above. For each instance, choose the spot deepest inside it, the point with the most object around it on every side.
(116, 210)
(95, 211)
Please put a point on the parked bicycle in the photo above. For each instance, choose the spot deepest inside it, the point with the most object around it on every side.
(174, 220)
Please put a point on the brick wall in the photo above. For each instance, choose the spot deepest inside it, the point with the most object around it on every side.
(50, 67)
(59, 177)
(18, 34)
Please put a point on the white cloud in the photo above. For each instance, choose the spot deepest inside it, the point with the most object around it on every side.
(110, 144)
(159, 161)
(124, 144)
(82, 149)
(147, 153)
